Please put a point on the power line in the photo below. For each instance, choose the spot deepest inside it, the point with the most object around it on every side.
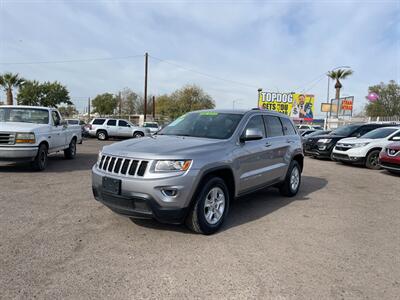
(202, 73)
(70, 60)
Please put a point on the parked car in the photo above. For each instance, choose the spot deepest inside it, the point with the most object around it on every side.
(322, 145)
(79, 124)
(304, 132)
(306, 126)
(365, 150)
(103, 128)
(314, 133)
(30, 133)
(389, 157)
(152, 126)
(195, 167)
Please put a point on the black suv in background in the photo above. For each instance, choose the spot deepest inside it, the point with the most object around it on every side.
(322, 145)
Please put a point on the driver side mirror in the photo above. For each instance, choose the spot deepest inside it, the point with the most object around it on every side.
(251, 134)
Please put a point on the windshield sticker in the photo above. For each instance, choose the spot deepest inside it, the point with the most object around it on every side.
(209, 113)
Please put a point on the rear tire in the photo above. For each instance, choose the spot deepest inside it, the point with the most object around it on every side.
(291, 185)
(70, 152)
(102, 135)
(210, 207)
(372, 160)
(40, 161)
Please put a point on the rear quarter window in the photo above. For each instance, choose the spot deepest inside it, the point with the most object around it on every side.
(98, 121)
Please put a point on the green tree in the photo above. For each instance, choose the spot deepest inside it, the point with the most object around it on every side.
(48, 94)
(67, 111)
(338, 75)
(181, 101)
(104, 104)
(388, 103)
(10, 81)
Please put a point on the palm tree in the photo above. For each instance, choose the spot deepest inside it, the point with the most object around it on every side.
(339, 75)
(9, 81)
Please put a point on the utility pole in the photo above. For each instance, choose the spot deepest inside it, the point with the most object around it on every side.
(154, 108)
(120, 105)
(88, 109)
(146, 62)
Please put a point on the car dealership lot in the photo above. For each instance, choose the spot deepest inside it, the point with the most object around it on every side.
(339, 238)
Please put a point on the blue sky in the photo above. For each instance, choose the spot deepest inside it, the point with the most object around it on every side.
(277, 45)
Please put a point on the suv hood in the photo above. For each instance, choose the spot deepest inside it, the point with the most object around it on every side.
(163, 146)
(20, 126)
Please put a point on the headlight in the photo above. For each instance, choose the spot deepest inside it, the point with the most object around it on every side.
(99, 157)
(358, 145)
(172, 165)
(25, 138)
(324, 141)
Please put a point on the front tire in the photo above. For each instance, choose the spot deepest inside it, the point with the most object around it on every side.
(40, 161)
(291, 185)
(210, 207)
(70, 152)
(138, 134)
(372, 160)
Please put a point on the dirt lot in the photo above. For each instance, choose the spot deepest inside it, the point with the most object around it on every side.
(339, 238)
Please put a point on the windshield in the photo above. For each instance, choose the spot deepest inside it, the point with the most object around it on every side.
(25, 115)
(318, 132)
(379, 133)
(345, 130)
(150, 125)
(212, 125)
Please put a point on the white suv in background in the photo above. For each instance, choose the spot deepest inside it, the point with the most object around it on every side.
(365, 149)
(103, 128)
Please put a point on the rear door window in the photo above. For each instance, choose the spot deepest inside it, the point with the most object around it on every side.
(112, 123)
(288, 128)
(123, 123)
(274, 126)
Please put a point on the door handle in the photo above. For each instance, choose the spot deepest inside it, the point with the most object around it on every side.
(290, 141)
(268, 144)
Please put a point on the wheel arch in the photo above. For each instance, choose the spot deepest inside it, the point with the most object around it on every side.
(300, 159)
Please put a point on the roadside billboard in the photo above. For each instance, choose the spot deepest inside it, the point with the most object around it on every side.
(296, 105)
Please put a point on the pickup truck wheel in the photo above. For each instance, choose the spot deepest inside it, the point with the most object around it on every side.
(372, 160)
(210, 207)
(70, 152)
(40, 161)
(292, 182)
(102, 135)
(138, 134)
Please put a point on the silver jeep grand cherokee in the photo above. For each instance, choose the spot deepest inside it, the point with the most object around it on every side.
(193, 168)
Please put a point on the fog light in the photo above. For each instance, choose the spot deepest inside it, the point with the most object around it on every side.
(322, 147)
(169, 192)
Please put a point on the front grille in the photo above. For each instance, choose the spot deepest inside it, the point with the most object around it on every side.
(7, 138)
(392, 152)
(123, 166)
(340, 156)
(343, 147)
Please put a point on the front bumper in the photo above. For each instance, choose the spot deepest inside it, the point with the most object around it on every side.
(352, 155)
(389, 162)
(144, 198)
(18, 153)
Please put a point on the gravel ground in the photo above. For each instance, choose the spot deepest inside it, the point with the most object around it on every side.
(338, 239)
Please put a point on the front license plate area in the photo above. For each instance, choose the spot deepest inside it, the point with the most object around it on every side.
(112, 185)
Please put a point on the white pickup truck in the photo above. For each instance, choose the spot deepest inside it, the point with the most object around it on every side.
(30, 133)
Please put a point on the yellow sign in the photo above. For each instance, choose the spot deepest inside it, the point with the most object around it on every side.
(297, 106)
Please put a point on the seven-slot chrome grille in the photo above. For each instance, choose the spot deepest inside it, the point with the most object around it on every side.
(123, 166)
(7, 138)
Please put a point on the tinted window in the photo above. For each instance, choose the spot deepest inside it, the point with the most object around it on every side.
(73, 122)
(274, 126)
(379, 133)
(98, 121)
(205, 124)
(288, 128)
(150, 125)
(122, 123)
(345, 130)
(112, 122)
(256, 122)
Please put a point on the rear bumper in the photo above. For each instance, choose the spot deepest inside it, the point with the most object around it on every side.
(18, 153)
